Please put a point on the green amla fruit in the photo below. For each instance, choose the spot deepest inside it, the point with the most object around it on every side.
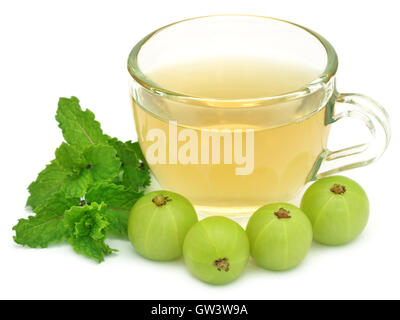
(158, 224)
(280, 236)
(216, 250)
(338, 209)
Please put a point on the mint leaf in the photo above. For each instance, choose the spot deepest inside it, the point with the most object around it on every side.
(69, 157)
(39, 230)
(138, 151)
(72, 172)
(47, 226)
(101, 162)
(91, 248)
(77, 184)
(88, 165)
(86, 230)
(119, 201)
(135, 170)
(49, 181)
(113, 195)
(95, 163)
(79, 127)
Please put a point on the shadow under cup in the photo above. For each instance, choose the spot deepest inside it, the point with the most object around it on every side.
(229, 156)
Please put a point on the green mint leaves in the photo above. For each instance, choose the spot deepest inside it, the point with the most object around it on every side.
(86, 230)
(50, 181)
(47, 226)
(119, 201)
(131, 157)
(87, 191)
(79, 127)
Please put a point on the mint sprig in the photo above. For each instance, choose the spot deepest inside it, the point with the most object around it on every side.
(86, 230)
(79, 127)
(47, 226)
(87, 191)
(119, 201)
(132, 162)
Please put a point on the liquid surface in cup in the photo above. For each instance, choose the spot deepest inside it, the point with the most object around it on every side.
(283, 156)
(233, 78)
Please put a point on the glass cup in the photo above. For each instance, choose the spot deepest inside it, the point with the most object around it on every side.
(231, 155)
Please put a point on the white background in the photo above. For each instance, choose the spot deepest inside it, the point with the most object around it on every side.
(50, 49)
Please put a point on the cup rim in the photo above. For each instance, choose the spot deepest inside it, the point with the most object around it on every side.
(309, 88)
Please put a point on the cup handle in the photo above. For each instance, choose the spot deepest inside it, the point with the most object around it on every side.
(374, 116)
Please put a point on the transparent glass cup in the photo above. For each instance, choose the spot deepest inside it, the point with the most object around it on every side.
(287, 133)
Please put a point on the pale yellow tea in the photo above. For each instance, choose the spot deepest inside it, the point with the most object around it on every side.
(283, 156)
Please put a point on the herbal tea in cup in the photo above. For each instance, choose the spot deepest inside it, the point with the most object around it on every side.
(234, 111)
